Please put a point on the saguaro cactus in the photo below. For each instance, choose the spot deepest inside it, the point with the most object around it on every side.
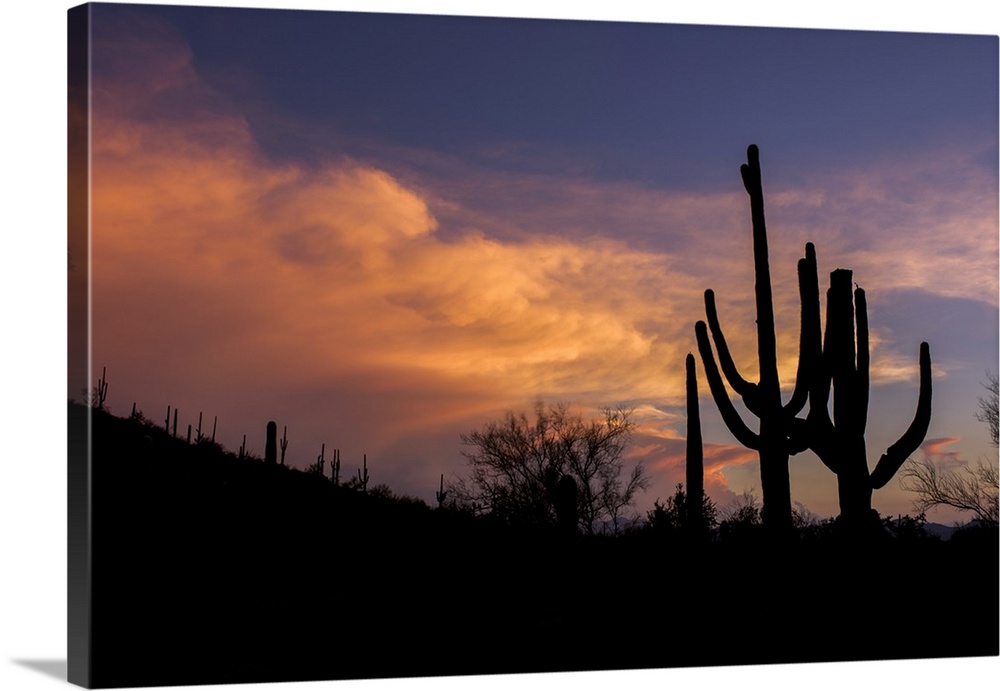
(695, 471)
(441, 494)
(363, 477)
(840, 442)
(762, 398)
(271, 443)
(101, 390)
(321, 459)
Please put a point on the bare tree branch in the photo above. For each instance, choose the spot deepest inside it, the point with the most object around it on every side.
(988, 406)
(515, 465)
(973, 491)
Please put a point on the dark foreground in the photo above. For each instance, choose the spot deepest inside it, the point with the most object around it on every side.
(211, 569)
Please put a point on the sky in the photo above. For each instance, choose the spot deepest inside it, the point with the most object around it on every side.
(383, 231)
(33, 585)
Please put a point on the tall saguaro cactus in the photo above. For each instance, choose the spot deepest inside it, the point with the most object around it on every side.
(840, 442)
(762, 398)
(695, 470)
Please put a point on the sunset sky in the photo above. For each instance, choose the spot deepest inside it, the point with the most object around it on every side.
(382, 231)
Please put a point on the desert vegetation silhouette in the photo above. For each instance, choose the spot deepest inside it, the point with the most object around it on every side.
(974, 491)
(219, 566)
(554, 469)
(836, 360)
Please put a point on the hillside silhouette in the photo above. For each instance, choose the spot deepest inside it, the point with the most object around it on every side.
(212, 568)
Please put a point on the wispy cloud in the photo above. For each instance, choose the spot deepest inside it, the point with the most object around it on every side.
(418, 303)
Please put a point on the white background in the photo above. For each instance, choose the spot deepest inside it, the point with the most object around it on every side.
(33, 359)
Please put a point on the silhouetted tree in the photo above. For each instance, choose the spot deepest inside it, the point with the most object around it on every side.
(907, 527)
(989, 407)
(675, 517)
(741, 519)
(517, 463)
(972, 491)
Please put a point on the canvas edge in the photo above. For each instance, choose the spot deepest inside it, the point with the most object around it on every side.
(79, 576)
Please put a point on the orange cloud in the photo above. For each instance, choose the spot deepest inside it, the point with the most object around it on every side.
(385, 306)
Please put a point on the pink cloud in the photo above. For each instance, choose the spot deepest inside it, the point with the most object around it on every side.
(376, 306)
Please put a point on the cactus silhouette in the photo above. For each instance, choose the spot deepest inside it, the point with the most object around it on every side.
(840, 442)
(283, 443)
(363, 478)
(826, 360)
(763, 398)
(441, 495)
(271, 443)
(101, 390)
(695, 460)
(321, 459)
(335, 467)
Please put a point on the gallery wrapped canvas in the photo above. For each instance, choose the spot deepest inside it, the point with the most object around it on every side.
(422, 346)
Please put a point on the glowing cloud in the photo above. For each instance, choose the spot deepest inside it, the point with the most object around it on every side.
(409, 305)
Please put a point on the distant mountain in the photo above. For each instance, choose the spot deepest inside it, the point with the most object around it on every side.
(939, 530)
(946, 531)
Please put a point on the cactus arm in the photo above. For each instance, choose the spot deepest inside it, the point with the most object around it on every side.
(732, 418)
(747, 390)
(863, 377)
(819, 432)
(441, 495)
(896, 455)
(810, 332)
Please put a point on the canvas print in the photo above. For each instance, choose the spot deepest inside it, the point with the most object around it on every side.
(410, 345)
